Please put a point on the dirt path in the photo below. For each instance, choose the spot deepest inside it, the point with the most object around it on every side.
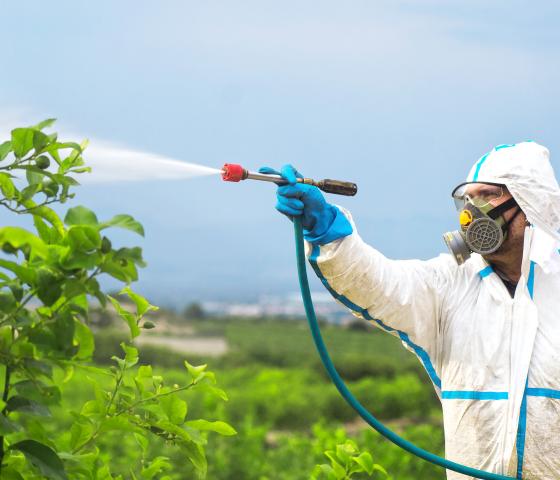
(211, 346)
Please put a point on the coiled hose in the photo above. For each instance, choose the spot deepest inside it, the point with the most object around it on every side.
(347, 394)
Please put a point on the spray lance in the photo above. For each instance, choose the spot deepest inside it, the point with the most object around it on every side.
(232, 172)
(236, 173)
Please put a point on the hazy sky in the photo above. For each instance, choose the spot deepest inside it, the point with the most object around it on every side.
(398, 96)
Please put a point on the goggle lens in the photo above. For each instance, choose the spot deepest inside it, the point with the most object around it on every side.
(480, 194)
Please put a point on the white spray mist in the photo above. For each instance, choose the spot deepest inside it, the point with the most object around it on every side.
(112, 163)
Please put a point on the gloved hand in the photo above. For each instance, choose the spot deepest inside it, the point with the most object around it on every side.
(322, 222)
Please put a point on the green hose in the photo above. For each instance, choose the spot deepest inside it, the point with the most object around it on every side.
(345, 392)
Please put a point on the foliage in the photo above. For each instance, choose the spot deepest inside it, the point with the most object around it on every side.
(346, 461)
(257, 453)
(47, 280)
(286, 417)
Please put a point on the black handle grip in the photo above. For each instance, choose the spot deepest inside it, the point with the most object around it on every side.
(338, 187)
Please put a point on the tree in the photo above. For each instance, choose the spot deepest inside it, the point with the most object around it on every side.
(55, 267)
(194, 311)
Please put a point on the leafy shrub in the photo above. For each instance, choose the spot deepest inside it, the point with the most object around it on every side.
(56, 267)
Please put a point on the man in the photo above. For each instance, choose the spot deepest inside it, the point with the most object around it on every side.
(486, 325)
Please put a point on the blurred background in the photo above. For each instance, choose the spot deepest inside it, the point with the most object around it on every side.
(401, 97)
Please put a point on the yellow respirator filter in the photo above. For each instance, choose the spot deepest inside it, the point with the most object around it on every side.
(465, 218)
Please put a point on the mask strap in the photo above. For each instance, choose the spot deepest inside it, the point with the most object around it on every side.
(506, 225)
(504, 207)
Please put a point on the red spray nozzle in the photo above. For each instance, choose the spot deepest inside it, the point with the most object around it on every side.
(232, 172)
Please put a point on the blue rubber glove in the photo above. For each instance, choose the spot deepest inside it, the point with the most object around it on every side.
(322, 222)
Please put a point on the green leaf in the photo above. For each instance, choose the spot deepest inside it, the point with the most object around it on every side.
(124, 221)
(133, 255)
(42, 229)
(144, 371)
(175, 408)
(28, 192)
(215, 391)
(63, 329)
(45, 123)
(17, 290)
(40, 140)
(122, 270)
(22, 404)
(53, 148)
(196, 372)
(92, 408)
(143, 378)
(365, 461)
(8, 426)
(130, 354)
(87, 261)
(39, 367)
(94, 289)
(5, 148)
(38, 391)
(84, 238)
(7, 301)
(80, 432)
(22, 141)
(83, 336)
(219, 427)
(128, 317)
(81, 170)
(73, 288)
(80, 216)
(339, 470)
(43, 457)
(50, 216)
(195, 453)
(64, 180)
(345, 451)
(7, 186)
(379, 468)
(142, 441)
(118, 424)
(9, 473)
(38, 171)
(27, 275)
(33, 176)
(19, 237)
(49, 286)
(156, 466)
(142, 305)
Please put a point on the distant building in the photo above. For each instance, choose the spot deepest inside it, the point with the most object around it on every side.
(288, 306)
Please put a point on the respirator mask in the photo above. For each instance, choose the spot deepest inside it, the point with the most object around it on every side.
(483, 227)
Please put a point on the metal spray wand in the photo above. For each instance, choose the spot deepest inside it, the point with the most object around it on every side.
(232, 172)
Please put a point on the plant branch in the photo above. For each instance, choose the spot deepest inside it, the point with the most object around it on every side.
(153, 397)
(130, 407)
(63, 304)
(28, 210)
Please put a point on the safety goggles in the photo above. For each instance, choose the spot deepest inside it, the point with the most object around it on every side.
(481, 193)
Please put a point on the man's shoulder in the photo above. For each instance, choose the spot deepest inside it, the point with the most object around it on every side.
(447, 267)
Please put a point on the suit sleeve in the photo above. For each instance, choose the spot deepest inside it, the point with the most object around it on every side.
(403, 297)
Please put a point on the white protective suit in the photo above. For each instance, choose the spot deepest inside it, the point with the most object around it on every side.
(494, 360)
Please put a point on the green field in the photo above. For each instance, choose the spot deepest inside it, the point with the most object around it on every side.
(284, 408)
